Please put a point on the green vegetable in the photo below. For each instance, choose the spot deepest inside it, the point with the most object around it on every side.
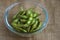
(16, 20)
(26, 21)
(29, 12)
(35, 14)
(23, 30)
(28, 29)
(39, 26)
(33, 21)
(21, 9)
(23, 20)
(23, 16)
(29, 21)
(24, 13)
(34, 26)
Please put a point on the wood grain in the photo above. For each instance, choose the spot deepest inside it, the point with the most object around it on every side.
(51, 32)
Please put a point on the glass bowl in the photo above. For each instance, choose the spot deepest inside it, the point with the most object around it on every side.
(14, 8)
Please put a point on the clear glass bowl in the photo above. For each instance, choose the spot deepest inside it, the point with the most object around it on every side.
(14, 8)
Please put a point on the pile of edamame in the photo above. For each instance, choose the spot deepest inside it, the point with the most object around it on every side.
(26, 21)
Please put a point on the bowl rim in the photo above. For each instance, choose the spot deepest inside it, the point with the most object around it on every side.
(10, 27)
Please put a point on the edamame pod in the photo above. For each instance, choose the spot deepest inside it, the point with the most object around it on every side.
(17, 28)
(23, 16)
(13, 24)
(38, 27)
(15, 16)
(29, 12)
(23, 30)
(15, 21)
(33, 21)
(35, 15)
(23, 20)
(26, 21)
(21, 10)
(28, 29)
(34, 25)
(23, 13)
(29, 21)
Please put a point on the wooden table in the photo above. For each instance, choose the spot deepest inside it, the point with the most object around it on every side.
(51, 32)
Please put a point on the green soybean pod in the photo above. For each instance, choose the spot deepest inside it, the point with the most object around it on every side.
(21, 9)
(23, 30)
(14, 17)
(28, 29)
(39, 26)
(34, 25)
(33, 21)
(23, 12)
(19, 13)
(29, 11)
(15, 21)
(23, 20)
(22, 25)
(23, 16)
(29, 21)
(35, 15)
(14, 25)
(18, 27)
